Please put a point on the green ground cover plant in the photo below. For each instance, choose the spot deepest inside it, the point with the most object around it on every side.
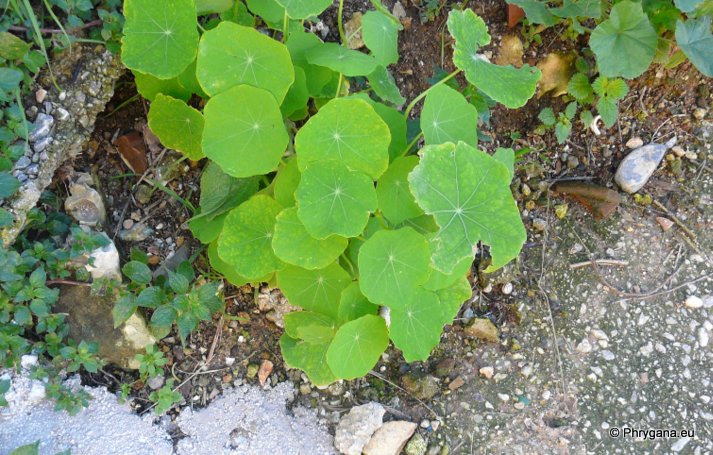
(319, 190)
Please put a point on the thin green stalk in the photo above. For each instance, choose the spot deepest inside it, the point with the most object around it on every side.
(18, 99)
(200, 27)
(284, 28)
(173, 194)
(340, 24)
(382, 9)
(339, 85)
(413, 103)
(59, 24)
(411, 144)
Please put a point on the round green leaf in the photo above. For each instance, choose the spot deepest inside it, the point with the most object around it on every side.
(149, 86)
(438, 280)
(160, 36)
(383, 84)
(625, 44)
(231, 54)
(310, 326)
(314, 290)
(391, 264)
(357, 347)
(177, 125)
(297, 96)
(452, 297)
(293, 244)
(416, 324)
(468, 193)
(381, 35)
(308, 357)
(395, 200)
(349, 130)
(341, 59)
(353, 304)
(333, 200)
(245, 141)
(269, 10)
(448, 117)
(224, 268)
(246, 240)
(394, 119)
(298, 43)
(506, 84)
(285, 183)
(304, 9)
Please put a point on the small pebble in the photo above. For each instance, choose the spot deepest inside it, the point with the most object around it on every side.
(539, 225)
(678, 151)
(665, 223)
(699, 113)
(40, 95)
(487, 372)
(128, 223)
(507, 288)
(693, 301)
(634, 142)
(584, 346)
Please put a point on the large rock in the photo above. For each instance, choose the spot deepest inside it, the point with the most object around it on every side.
(390, 439)
(356, 428)
(89, 318)
(638, 166)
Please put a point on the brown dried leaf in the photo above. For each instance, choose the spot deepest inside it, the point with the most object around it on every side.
(556, 71)
(352, 29)
(510, 52)
(601, 201)
(515, 13)
(264, 372)
(133, 151)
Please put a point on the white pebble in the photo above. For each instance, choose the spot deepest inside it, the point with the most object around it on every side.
(507, 288)
(693, 301)
(584, 346)
(702, 337)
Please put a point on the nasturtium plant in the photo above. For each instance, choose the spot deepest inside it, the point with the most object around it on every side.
(695, 39)
(324, 192)
(160, 37)
(506, 84)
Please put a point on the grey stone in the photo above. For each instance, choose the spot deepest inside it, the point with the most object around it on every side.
(33, 169)
(62, 114)
(357, 427)
(35, 157)
(106, 263)
(416, 446)
(42, 127)
(638, 166)
(42, 144)
(89, 318)
(390, 439)
(21, 177)
(156, 382)
(22, 163)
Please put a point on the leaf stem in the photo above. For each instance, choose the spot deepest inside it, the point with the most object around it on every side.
(412, 104)
(339, 85)
(284, 28)
(410, 145)
(340, 24)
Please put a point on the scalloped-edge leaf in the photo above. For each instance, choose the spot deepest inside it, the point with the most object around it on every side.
(342, 60)
(381, 35)
(177, 125)
(314, 290)
(395, 200)
(416, 324)
(308, 357)
(448, 117)
(696, 41)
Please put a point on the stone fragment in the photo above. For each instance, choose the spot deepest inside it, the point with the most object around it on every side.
(41, 127)
(483, 329)
(693, 301)
(105, 262)
(138, 233)
(665, 223)
(85, 205)
(390, 439)
(634, 142)
(264, 372)
(416, 446)
(638, 166)
(487, 372)
(89, 318)
(357, 427)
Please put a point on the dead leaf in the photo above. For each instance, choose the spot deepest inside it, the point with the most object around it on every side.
(601, 201)
(515, 13)
(510, 52)
(556, 71)
(133, 151)
(352, 29)
(264, 372)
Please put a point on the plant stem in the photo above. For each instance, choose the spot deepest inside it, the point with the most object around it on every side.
(413, 142)
(412, 104)
(339, 85)
(382, 9)
(284, 28)
(340, 24)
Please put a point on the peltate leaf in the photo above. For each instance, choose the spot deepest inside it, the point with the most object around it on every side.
(452, 297)
(448, 117)
(357, 347)
(224, 268)
(177, 125)
(246, 240)
(624, 44)
(506, 84)
(246, 141)
(395, 200)
(392, 264)
(160, 36)
(348, 130)
(696, 41)
(308, 357)
(314, 290)
(298, 43)
(381, 34)
(416, 324)
(383, 84)
(285, 183)
(303, 9)
(507, 157)
(353, 304)
(297, 96)
(231, 54)
(149, 86)
(293, 244)
(396, 122)
(342, 60)
(468, 193)
(333, 200)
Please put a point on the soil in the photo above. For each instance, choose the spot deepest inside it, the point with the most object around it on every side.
(659, 105)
